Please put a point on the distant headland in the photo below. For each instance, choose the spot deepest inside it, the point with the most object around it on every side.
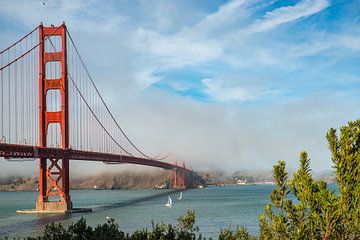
(143, 180)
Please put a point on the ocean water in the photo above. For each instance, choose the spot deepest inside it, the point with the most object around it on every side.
(215, 208)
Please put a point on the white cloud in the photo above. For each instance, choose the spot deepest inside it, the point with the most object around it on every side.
(79, 15)
(329, 44)
(227, 13)
(183, 49)
(224, 93)
(145, 78)
(350, 42)
(288, 14)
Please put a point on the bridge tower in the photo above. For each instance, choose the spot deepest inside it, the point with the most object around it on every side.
(179, 178)
(54, 172)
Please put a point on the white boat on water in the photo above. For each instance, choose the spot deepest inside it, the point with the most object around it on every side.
(180, 197)
(241, 182)
(169, 202)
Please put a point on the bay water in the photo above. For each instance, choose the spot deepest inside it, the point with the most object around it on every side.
(215, 208)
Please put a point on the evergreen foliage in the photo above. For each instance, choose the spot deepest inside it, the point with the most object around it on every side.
(184, 230)
(317, 212)
(240, 234)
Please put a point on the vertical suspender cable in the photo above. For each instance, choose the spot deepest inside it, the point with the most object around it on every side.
(85, 113)
(2, 98)
(33, 80)
(87, 118)
(15, 96)
(9, 94)
(28, 93)
(81, 114)
(22, 99)
(105, 106)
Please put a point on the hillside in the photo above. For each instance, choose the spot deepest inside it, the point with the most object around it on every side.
(141, 180)
(123, 180)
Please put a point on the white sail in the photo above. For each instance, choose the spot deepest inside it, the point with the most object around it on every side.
(180, 197)
(169, 202)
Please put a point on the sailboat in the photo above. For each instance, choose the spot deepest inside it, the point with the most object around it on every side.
(180, 197)
(169, 202)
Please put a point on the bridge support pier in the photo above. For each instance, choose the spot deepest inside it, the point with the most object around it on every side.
(52, 207)
(54, 181)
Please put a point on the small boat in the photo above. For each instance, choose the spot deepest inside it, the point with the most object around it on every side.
(169, 202)
(180, 197)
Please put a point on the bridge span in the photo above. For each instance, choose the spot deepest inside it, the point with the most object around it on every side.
(51, 110)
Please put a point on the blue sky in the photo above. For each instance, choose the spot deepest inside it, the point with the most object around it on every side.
(267, 78)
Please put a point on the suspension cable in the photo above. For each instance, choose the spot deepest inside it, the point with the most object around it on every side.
(97, 119)
(108, 110)
(78, 90)
(20, 40)
(88, 106)
(30, 50)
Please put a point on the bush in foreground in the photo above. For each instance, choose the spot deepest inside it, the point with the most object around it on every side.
(318, 213)
(184, 230)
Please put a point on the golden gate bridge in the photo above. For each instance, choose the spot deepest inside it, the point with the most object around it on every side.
(52, 110)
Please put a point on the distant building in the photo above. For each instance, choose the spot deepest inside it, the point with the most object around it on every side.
(269, 182)
(241, 182)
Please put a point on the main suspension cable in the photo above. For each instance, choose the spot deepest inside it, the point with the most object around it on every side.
(20, 40)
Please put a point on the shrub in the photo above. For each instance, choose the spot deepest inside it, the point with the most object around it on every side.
(184, 230)
(318, 213)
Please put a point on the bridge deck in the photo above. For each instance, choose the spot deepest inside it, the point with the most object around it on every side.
(26, 151)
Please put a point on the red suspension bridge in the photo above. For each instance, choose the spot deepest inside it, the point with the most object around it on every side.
(51, 110)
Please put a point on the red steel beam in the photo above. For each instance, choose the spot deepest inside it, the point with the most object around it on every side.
(26, 151)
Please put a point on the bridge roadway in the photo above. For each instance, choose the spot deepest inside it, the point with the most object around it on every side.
(26, 151)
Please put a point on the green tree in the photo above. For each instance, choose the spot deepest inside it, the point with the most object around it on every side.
(345, 153)
(184, 230)
(317, 212)
(241, 233)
